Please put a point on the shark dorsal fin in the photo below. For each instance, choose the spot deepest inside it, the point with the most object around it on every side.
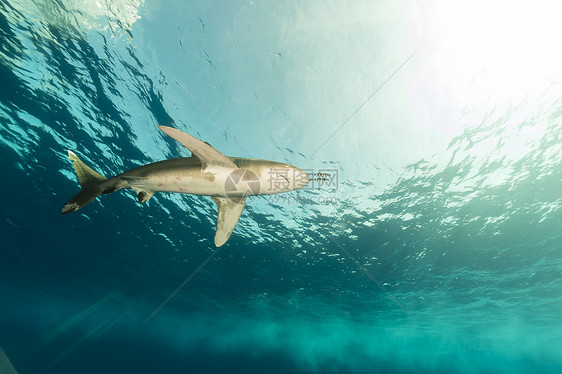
(230, 210)
(209, 157)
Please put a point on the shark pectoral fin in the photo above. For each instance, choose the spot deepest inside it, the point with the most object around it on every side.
(208, 156)
(229, 214)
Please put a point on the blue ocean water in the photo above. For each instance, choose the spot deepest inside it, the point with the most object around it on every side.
(435, 247)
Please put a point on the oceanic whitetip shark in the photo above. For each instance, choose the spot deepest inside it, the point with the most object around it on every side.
(227, 180)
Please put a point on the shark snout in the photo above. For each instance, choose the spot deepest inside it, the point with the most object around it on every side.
(301, 178)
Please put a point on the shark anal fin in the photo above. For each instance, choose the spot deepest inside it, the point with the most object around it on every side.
(228, 216)
(144, 196)
(210, 158)
(135, 183)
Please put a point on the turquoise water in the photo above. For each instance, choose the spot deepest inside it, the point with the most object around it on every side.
(435, 247)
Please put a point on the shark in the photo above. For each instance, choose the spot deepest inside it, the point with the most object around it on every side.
(208, 172)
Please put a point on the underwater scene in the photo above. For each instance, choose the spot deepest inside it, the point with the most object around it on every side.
(422, 234)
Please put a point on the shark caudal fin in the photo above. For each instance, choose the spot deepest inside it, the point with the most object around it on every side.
(90, 181)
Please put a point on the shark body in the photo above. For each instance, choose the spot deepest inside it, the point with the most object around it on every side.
(227, 180)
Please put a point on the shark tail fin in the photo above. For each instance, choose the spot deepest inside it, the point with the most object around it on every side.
(90, 181)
